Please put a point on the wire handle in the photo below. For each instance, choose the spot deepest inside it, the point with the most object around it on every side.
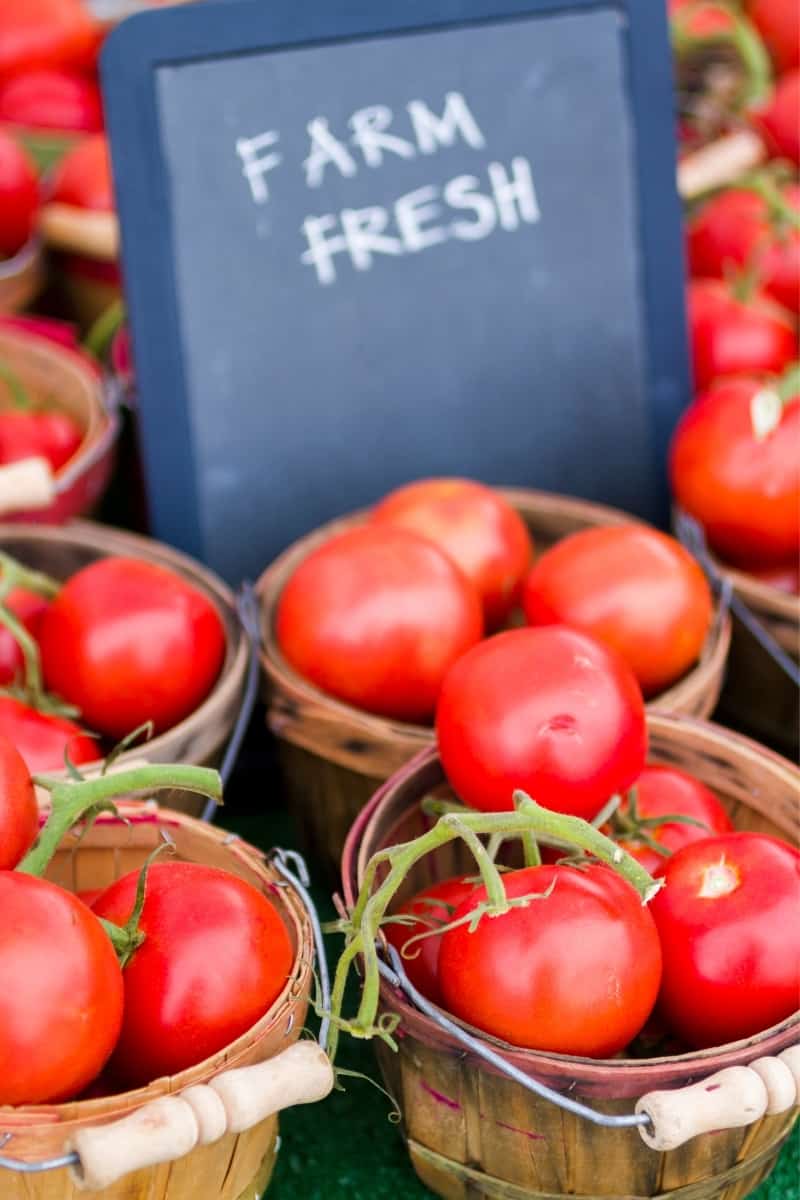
(731, 1098)
(692, 536)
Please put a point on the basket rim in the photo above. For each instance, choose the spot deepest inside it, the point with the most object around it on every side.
(110, 542)
(587, 1071)
(283, 677)
(25, 1118)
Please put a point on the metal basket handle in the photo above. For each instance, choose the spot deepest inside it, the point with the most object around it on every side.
(169, 1128)
(729, 1099)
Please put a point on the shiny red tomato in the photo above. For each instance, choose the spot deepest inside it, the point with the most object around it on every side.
(19, 813)
(49, 98)
(738, 228)
(435, 905)
(666, 791)
(42, 739)
(60, 992)
(736, 337)
(631, 587)
(730, 937)
(19, 196)
(43, 433)
(29, 609)
(216, 955)
(778, 22)
(743, 487)
(376, 616)
(128, 641)
(479, 530)
(548, 710)
(576, 972)
(778, 121)
(83, 176)
(47, 33)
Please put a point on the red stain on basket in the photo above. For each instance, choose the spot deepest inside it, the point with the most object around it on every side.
(534, 1137)
(439, 1098)
(713, 1087)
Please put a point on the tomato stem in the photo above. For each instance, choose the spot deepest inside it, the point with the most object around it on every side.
(740, 36)
(20, 398)
(15, 574)
(101, 334)
(528, 821)
(72, 801)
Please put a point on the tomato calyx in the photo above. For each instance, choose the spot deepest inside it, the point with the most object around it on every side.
(718, 879)
(768, 404)
(630, 826)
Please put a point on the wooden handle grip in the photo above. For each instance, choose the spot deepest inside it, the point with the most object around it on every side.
(719, 163)
(168, 1128)
(26, 484)
(727, 1100)
(79, 231)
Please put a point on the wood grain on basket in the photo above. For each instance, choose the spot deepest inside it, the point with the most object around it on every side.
(333, 755)
(472, 1132)
(227, 1167)
(21, 278)
(201, 737)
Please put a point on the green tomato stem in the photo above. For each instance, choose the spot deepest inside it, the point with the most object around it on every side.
(20, 398)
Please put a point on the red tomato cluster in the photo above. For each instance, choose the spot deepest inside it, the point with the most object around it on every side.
(378, 614)
(125, 642)
(211, 956)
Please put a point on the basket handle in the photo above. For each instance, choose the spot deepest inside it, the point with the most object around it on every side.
(733, 1097)
(171, 1127)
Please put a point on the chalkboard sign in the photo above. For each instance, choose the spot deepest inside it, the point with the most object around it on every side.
(362, 248)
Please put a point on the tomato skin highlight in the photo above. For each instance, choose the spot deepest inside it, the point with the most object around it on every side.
(662, 791)
(744, 491)
(128, 641)
(422, 963)
(216, 955)
(736, 337)
(376, 616)
(732, 960)
(576, 972)
(547, 710)
(479, 530)
(60, 992)
(19, 813)
(42, 739)
(634, 589)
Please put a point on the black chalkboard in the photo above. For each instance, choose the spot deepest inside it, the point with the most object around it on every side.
(356, 260)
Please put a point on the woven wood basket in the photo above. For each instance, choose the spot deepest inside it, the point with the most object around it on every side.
(21, 277)
(236, 1167)
(66, 381)
(333, 756)
(201, 737)
(473, 1133)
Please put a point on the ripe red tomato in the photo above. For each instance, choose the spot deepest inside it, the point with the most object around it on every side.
(83, 176)
(60, 992)
(574, 973)
(47, 33)
(435, 904)
(778, 121)
(19, 814)
(634, 589)
(42, 739)
(216, 955)
(19, 196)
(29, 610)
(127, 641)
(736, 337)
(666, 791)
(742, 488)
(548, 710)
(778, 22)
(476, 528)
(49, 98)
(737, 228)
(730, 937)
(376, 616)
(43, 433)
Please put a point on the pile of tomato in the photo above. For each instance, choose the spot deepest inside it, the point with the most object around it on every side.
(734, 462)
(107, 991)
(122, 643)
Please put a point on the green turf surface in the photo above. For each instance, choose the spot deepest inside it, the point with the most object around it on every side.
(347, 1148)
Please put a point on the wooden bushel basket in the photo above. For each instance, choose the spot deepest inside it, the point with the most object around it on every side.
(473, 1133)
(201, 737)
(68, 382)
(21, 277)
(334, 756)
(233, 1166)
